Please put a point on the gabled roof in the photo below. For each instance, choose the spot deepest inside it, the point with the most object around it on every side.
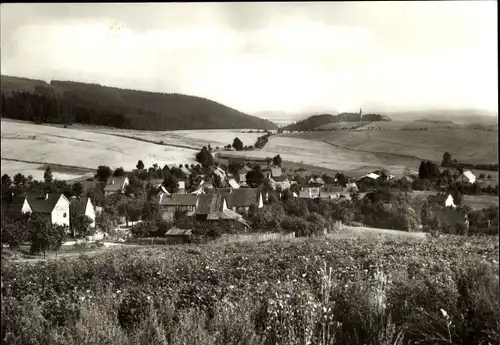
(78, 205)
(331, 189)
(244, 170)
(232, 182)
(115, 183)
(185, 170)
(179, 200)
(280, 178)
(242, 197)
(16, 205)
(179, 232)
(40, 204)
(470, 176)
(208, 204)
(372, 176)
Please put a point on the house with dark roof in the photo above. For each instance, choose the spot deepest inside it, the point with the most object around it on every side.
(116, 184)
(242, 174)
(18, 205)
(240, 200)
(442, 199)
(169, 204)
(83, 207)
(213, 208)
(178, 236)
(331, 192)
(466, 177)
(54, 208)
(281, 180)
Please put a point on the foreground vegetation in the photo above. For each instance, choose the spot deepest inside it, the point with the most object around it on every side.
(316, 291)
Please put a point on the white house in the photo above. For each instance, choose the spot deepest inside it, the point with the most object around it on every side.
(371, 176)
(466, 177)
(83, 206)
(54, 208)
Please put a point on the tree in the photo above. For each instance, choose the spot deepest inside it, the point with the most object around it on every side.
(237, 144)
(140, 165)
(269, 160)
(14, 231)
(77, 189)
(47, 176)
(170, 183)
(423, 172)
(45, 236)
(80, 225)
(205, 157)
(255, 177)
(119, 172)
(19, 180)
(6, 181)
(104, 222)
(277, 160)
(103, 172)
(447, 160)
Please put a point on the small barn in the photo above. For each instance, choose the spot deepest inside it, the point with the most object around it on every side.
(178, 236)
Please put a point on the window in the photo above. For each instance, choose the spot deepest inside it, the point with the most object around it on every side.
(64, 215)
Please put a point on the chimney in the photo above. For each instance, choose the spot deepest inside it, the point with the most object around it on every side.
(46, 196)
(112, 181)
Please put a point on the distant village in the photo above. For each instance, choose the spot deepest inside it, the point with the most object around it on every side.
(225, 192)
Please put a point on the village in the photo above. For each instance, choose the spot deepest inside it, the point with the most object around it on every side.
(226, 193)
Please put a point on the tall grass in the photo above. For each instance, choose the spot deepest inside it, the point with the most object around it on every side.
(321, 294)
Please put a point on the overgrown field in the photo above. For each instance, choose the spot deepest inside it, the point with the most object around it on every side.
(80, 148)
(315, 291)
(466, 145)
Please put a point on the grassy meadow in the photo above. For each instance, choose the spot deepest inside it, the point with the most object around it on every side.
(302, 291)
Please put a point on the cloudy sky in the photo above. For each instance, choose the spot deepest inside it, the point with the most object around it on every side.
(293, 57)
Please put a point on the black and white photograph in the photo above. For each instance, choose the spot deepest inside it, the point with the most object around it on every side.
(249, 173)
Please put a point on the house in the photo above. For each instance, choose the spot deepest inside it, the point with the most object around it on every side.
(176, 202)
(242, 174)
(282, 181)
(181, 187)
(444, 200)
(18, 205)
(352, 187)
(213, 208)
(466, 177)
(116, 184)
(316, 181)
(406, 179)
(370, 176)
(178, 236)
(220, 173)
(330, 192)
(54, 208)
(83, 207)
(240, 200)
(276, 172)
(309, 193)
(233, 184)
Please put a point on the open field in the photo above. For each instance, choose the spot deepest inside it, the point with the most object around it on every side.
(277, 292)
(73, 147)
(466, 145)
(189, 138)
(344, 125)
(11, 168)
(477, 202)
(323, 154)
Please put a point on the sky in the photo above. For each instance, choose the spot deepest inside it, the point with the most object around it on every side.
(284, 57)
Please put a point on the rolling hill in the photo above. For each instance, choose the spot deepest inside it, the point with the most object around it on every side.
(325, 121)
(68, 102)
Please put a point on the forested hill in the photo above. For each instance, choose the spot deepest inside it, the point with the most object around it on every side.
(73, 102)
(315, 121)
